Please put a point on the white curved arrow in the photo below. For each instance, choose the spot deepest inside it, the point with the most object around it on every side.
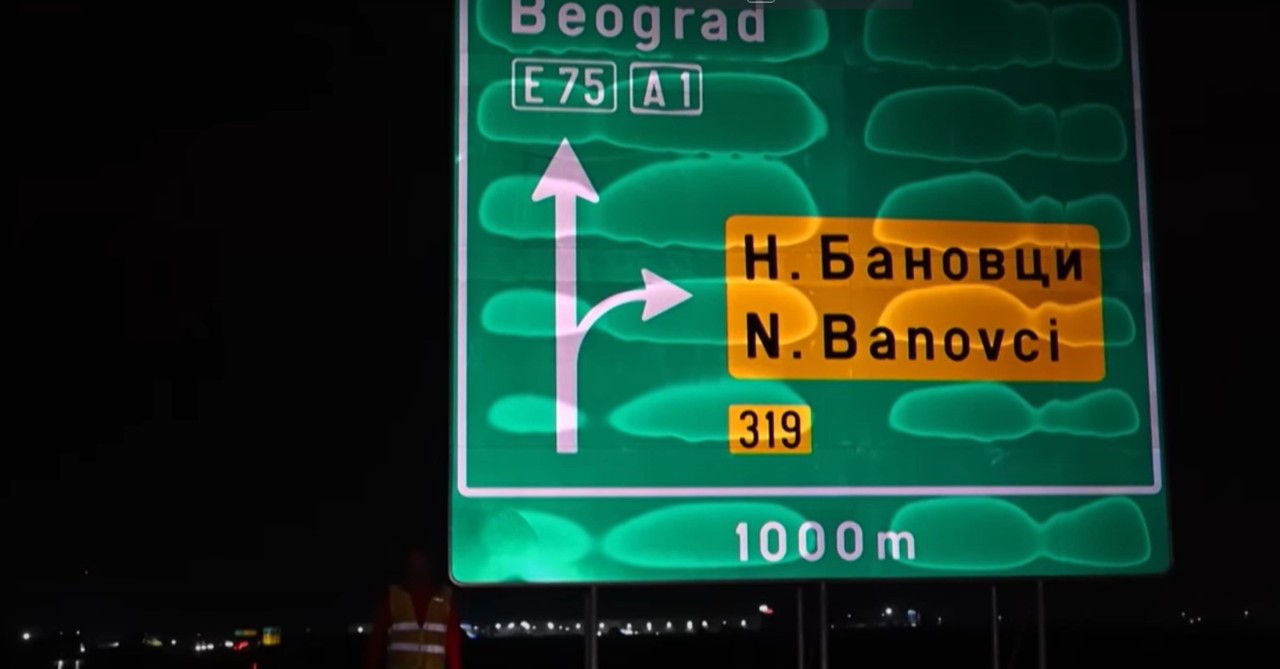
(566, 182)
(658, 295)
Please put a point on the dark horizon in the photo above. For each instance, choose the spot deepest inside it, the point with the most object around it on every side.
(230, 267)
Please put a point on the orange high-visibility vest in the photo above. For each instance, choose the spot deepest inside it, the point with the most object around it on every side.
(414, 646)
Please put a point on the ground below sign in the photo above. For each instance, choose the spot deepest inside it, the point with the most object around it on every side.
(904, 249)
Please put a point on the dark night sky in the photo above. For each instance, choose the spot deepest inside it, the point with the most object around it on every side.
(227, 281)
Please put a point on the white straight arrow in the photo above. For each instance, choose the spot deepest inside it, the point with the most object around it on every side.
(566, 181)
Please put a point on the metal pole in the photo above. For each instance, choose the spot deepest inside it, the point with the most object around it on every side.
(995, 629)
(590, 629)
(823, 626)
(1040, 625)
(800, 627)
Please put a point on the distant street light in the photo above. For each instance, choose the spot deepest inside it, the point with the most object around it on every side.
(26, 636)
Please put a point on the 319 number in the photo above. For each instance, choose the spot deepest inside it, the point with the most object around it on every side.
(764, 429)
(788, 422)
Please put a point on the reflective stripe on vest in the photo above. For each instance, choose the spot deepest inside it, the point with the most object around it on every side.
(428, 648)
(413, 627)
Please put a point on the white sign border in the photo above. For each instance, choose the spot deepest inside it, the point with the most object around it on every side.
(460, 397)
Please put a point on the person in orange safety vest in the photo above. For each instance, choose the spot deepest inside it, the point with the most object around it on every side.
(417, 625)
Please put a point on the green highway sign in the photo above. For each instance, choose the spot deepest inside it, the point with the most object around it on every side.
(805, 291)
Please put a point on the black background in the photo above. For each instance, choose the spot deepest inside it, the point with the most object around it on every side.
(229, 288)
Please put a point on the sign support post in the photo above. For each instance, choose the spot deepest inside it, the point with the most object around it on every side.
(995, 629)
(799, 626)
(589, 628)
(1040, 625)
(823, 625)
